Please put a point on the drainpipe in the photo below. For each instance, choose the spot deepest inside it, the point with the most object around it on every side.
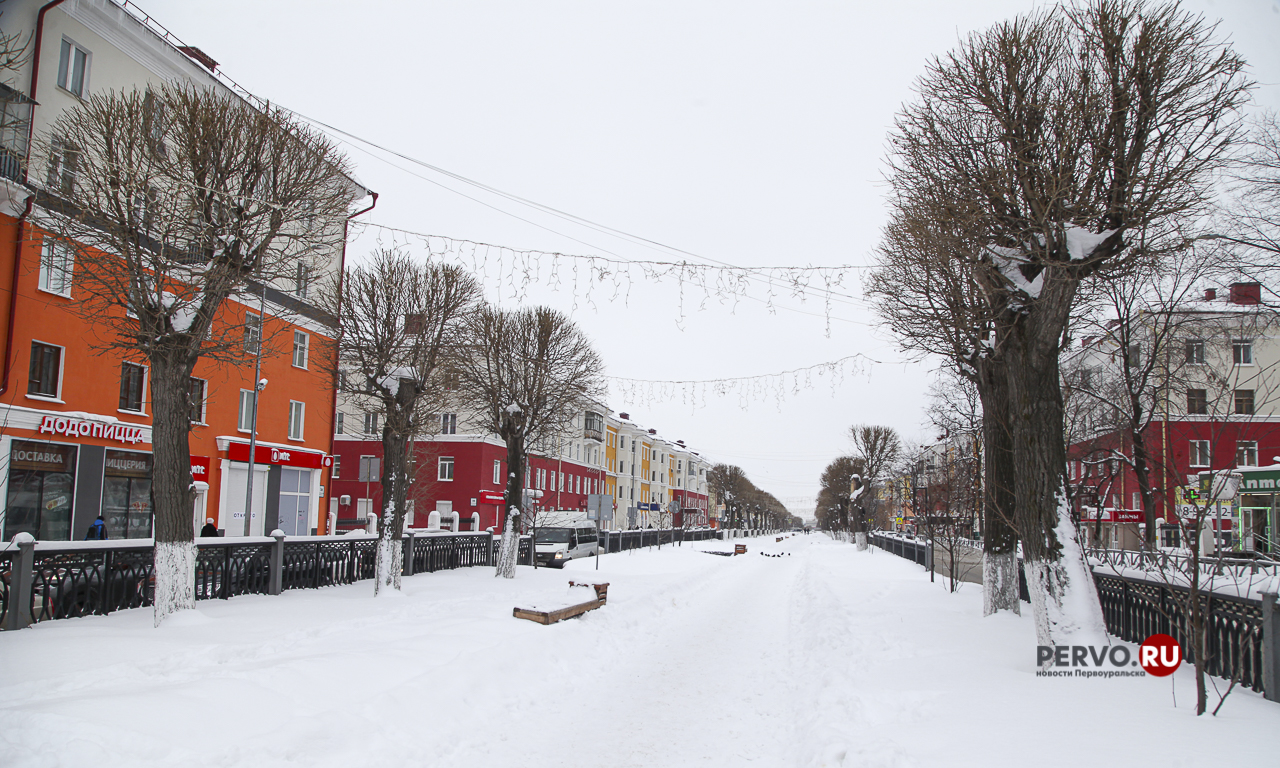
(342, 270)
(26, 178)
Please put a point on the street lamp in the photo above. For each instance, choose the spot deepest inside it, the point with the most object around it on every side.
(253, 442)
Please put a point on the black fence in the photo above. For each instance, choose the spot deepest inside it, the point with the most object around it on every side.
(1135, 609)
(76, 579)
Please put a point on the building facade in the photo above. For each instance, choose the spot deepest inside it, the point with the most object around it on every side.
(75, 417)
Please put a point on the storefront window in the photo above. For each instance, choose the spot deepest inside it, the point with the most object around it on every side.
(41, 484)
(126, 495)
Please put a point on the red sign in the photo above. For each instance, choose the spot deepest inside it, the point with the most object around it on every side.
(1160, 655)
(489, 497)
(200, 468)
(292, 457)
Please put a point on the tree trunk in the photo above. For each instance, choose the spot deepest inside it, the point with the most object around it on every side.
(1064, 602)
(509, 551)
(389, 564)
(1142, 470)
(1000, 538)
(172, 489)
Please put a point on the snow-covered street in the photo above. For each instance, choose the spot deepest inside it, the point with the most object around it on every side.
(824, 656)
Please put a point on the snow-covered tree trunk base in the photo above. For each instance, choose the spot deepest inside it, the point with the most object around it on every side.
(509, 549)
(175, 571)
(1064, 601)
(1000, 583)
(861, 541)
(388, 565)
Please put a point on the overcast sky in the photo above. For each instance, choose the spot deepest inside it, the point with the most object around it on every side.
(746, 133)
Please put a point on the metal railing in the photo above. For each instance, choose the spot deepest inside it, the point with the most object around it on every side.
(1164, 561)
(1135, 609)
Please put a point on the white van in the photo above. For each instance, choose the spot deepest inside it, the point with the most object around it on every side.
(557, 545)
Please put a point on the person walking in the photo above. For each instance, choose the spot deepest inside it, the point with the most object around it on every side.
(97, 531)
(209, 529)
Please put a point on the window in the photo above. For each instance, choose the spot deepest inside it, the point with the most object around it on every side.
(252, 333)
(445, 469)
(73, 67)
(497, 472)
(371, 423)
(46, 370)
(337, 467)
(245, 424)
(561, 487)
(302, 280)
(1242, 351)
(154, 123)
(1195, 352)
(300, 343)
(448, 423)
(196, 392)
(337, 423)
(1197, 401)
(64, 160)
(1246, 453)
(1244, 401)
(57, 261)
(132, 378)
(1199, 453)
(414, 323)
(369, 469)
(1134, 357)
(297, 419)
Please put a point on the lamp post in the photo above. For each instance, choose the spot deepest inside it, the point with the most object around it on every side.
(259, 385)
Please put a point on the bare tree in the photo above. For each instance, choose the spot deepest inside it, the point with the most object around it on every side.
(173, 201)
(878, 449)
(1062, 139)
(925, 288)
(833, 504)
(400, 321)
(525, 374)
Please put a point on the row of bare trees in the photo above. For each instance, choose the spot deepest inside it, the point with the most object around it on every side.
(415, 335)
(1047, 154)
(745, 505)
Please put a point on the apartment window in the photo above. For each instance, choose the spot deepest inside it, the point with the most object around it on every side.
(1199, 454)
(371, 423)
(301, 341)
(1195, 352)
(338, 423)
(154, 123)
(1244, 401)
(197, 390)
(245, 423)
(561, 486)
(414, 323)
(57, 261)
(497, 472)
(1197, 401)
(73, 67)
(1246, 453)
(369, 469)
(448, 423)
(297, 419)
(337, 467)
(252, 333)
(132, 379)
(64, 160)
(1242, 351)
(302, 280)
(445, 469)
(46, 370)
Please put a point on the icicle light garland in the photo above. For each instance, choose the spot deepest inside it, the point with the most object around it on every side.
(748, 389)
(512, 270)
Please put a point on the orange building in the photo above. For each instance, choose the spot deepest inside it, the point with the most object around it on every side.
(75, 420)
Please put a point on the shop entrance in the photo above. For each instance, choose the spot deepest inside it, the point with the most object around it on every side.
(126, 495)
(41, 487)
(295, 501)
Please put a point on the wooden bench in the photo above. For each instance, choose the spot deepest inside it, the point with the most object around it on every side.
(559, 614)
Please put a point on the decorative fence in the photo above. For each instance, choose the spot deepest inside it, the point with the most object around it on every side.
(58, 580)
(1236, 568)
(1243, 633)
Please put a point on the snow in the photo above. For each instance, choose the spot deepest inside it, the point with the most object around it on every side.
(1081, 242)
(830, 657)
(1009, 262)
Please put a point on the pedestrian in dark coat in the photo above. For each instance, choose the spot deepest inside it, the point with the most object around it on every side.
(97, 531)
(209, 529)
